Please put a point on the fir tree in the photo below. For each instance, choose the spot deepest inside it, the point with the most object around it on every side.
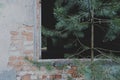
(75, 16)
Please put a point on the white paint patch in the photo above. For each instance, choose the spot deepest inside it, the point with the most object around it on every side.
(13, 14)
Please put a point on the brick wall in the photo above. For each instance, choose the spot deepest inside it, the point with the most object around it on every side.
(22, 45)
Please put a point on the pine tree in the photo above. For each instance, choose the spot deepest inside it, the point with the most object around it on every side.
(75, 16)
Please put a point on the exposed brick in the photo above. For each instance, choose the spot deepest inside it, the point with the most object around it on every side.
(14, 37)
(28, 35)
(30, 28)
(20, 58)
(57, 76)
(20, 63)
(14, 33)
(52, 77)
(29, 38)
(74, 75)
(44, 76)
(28, 51)
(26, 77)
(70, 71)
(11, 63)
(12, 58)
(24, 33)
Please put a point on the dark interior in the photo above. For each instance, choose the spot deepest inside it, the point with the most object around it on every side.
(57, 51)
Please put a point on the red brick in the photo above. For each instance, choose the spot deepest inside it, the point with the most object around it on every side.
(20, 58)
(11, 63)
(57, 76)
(74, 75)
(24, 33)
(29, 38)
(28, 51)
(44, 77)
(52, 77)
(30, 28)
(12, 58)
(14, 33)
(26, 77)
(28, 35)
(21, 63)
(70, 71)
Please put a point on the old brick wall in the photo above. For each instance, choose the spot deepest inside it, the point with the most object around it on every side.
(21, 36)
(22, 45)
(14, 15)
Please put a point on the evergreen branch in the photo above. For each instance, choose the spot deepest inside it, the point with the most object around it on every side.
(102, 22)
(106, 20)
(84, 46)
(63, 31)
(84, 22)
(100, 19)
(74, 41)
(108, 5)
(102, 53)
(80, 43)
(108, 50)
(78, 50)
(97, 55)
(78, 53)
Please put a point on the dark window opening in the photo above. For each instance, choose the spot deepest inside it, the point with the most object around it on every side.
(58, 51)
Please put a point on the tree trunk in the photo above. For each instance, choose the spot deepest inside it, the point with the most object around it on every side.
(92, 31)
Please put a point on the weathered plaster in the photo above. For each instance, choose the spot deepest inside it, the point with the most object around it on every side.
(13, 14)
